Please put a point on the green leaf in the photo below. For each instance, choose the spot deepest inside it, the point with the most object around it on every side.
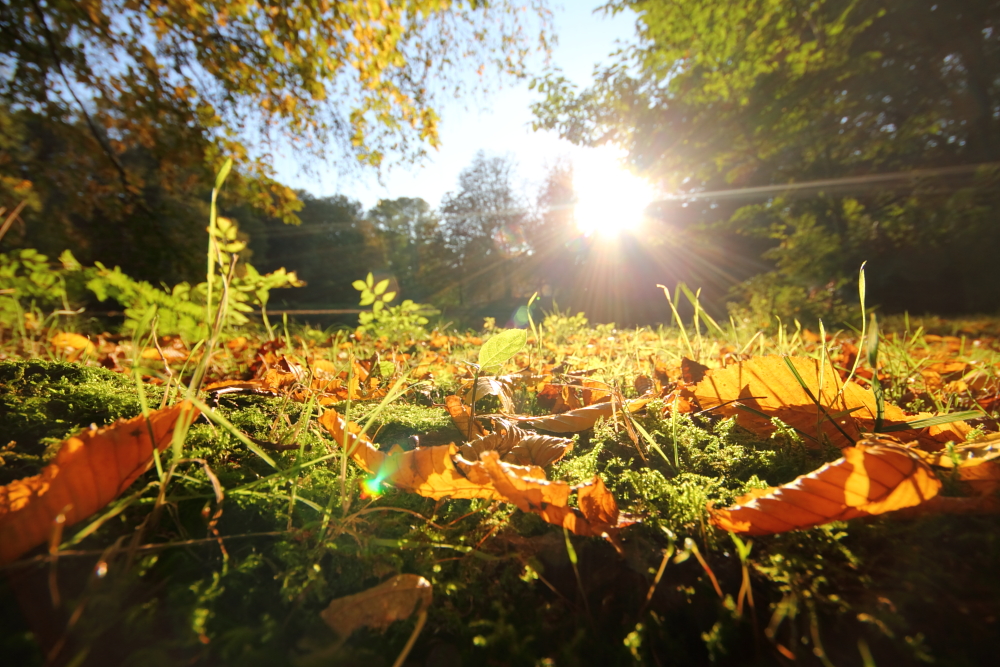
(388, 296)
(370, 280)
(367, 299)
(359, 285)
(223, 173)
(501, 347)
(382, 286)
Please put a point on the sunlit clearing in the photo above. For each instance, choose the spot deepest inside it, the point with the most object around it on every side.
(610, 200)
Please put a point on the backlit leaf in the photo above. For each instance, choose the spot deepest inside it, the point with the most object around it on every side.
(873, 477)
(501, 348)
(461, 415)
(90, 470)
(764, 387)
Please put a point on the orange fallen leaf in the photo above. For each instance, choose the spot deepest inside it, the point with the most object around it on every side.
(392, 600)
(758, 389)
(359, 447)
(873, 477)
(982, 479)
(72, 345)
(597, 516)
(432, 472)
(90, 470)
(581, 419)
(461, 415)
(440, 472)
(766, 385)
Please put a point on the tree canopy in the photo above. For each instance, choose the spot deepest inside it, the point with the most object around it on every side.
(730, 94)
(107, 106)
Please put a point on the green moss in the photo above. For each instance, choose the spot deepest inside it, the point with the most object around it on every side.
(43, 402)
(398, 421)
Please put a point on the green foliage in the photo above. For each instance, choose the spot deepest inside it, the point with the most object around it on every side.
(30, 283)
(112, 139)
(404, 320)
(501, 348)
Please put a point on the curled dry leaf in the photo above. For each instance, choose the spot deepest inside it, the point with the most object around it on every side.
(982, 479)
(502, 441)
(90, 470)
(581, 419)
(538, 450)
(972, 453)
(873, 477)
(597, 516)
(393, 600)
(767, 385)
(515, 445)
(501, 386)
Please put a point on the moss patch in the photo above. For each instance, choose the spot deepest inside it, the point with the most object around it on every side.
(43, 402)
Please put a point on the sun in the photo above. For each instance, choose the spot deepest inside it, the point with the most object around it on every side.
(610, 200)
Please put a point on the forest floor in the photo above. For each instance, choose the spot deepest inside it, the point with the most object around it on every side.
(594, 533)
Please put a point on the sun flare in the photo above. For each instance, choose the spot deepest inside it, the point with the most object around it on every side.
(610, 200)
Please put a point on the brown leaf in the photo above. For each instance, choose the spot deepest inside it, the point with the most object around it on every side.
(580, 419)
(644, 384)
(598, 514)
(393, 600)
(538, 450)
(691, 371)
(90, 470)
(872, 478)
(505, 439)
(767, 385)
(501, 386)
(515, 445)
(461, 415)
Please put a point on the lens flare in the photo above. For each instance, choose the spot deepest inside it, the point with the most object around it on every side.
(371, 488)
(610, 200)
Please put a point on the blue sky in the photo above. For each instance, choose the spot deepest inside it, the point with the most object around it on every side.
(498, 123)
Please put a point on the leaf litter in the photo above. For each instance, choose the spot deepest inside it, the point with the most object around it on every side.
(890, 460)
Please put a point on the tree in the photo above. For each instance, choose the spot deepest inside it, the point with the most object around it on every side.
(334, 245)
(728, 94)
(415, 248)
(103, 100)
(484, 221)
